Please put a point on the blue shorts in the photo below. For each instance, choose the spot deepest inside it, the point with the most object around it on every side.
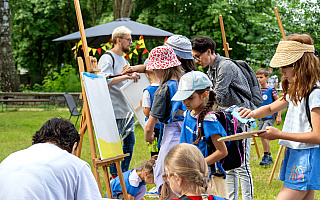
(300, 169)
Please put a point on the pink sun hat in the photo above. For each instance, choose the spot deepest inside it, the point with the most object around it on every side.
(162, 57)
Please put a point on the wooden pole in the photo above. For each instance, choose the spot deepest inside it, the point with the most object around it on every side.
(82, 34)
(280, 23)
(280, 147)
(256, 146)
(225, 44)
(275, 164)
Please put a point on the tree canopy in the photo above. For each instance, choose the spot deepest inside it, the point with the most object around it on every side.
(251, 26)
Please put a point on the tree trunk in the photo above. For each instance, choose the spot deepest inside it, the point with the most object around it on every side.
(122, 8)
(8, 75)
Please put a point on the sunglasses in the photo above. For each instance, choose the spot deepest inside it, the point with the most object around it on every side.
(198, 57)
(128, 39)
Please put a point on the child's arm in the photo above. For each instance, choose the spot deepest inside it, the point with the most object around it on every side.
(221, 150)
(264, 111)
(148, 130)
(146, 111)
(278, 119)
(312, 137)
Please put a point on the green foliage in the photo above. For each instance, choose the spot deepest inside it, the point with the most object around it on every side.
(37, 22)
(251, 26)
(68, 80)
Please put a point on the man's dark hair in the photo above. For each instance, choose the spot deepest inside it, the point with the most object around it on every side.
(59, 132)
(203, 43)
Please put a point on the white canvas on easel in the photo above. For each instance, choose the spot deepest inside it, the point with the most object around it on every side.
(102, 114)
(133, 92)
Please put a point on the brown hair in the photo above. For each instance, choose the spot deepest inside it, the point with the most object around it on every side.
(187, 161)
(203, 113)
(176, 72)
(203, 43)
(306, 72)
(262, 71)
(148, 165)
(188, 65)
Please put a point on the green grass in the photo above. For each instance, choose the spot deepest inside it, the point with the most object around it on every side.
(17, 128)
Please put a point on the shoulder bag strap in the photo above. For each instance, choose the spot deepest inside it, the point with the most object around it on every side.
(110, 54)
(308, 107)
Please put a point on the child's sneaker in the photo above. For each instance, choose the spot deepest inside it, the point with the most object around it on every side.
(269, 161)
(264, 160)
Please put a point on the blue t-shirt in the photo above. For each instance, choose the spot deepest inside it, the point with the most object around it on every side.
(132, 190)
(268, 95)
(211, 126)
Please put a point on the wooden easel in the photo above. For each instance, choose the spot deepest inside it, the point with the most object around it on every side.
(86, 119)
(226, 51)
(281, 147)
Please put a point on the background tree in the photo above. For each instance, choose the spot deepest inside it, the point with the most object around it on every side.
(8, 74)
(251, 26)
(122, 8)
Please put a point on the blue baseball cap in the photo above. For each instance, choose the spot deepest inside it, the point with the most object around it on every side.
(189, 83)
(181, 46)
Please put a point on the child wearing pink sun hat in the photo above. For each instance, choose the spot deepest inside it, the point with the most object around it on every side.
(163, 61)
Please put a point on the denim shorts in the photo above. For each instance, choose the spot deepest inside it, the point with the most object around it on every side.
(300, 169)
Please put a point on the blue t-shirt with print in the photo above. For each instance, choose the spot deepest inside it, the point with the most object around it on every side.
(211, 126)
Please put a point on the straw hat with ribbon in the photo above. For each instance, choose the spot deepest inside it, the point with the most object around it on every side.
(289, 52)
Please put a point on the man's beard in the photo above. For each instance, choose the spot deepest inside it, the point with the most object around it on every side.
(126, 50)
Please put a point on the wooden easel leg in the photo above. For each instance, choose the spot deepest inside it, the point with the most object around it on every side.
(123, 186)
(107, 179)
(257, 148)
(275, 164)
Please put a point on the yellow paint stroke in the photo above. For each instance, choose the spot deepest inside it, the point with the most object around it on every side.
(109, 150)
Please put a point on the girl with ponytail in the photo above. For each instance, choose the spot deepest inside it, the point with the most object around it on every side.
(200, 124)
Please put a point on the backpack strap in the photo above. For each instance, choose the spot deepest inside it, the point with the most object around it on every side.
(308, 107)
(110, 54)
(184, 197)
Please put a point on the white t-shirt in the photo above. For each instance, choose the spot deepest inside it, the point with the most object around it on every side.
(146, 99)
(45, 171)
(119, 103)
(296, 120)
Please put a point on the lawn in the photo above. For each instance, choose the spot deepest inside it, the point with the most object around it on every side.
(17, 128)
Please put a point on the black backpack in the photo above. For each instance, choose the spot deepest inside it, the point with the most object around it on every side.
(247, 71)
(235, 148)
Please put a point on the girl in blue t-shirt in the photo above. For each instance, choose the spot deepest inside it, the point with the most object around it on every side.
(199, 124)
(163, 61)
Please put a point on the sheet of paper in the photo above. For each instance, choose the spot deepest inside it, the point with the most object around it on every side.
(101, 110)
(133, 92)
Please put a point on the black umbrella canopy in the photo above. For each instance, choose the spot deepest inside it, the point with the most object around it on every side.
(102, 33)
